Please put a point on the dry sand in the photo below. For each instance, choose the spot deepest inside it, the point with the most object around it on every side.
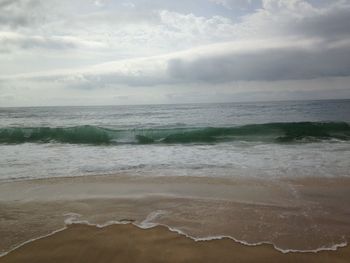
(128, 243)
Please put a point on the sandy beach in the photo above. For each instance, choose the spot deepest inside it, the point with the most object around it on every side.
(127, 243)
(305, 214)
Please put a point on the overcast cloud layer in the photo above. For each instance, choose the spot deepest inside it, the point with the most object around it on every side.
(62, 52)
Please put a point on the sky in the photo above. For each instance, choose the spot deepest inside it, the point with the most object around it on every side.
(115, 52)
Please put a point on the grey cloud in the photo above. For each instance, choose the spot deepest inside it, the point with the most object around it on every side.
(264, 65)
(330, 23)
(230, 4)
(325, 58)
(91, 81)
(18, 13)
(30, 42)
(100, 79)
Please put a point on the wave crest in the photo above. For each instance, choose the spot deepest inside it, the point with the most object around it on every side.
(268, 132)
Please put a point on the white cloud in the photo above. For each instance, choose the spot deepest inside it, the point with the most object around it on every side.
(142, 45)
(287, 59)
(10, 41)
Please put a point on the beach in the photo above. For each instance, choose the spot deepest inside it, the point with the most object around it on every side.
(176, 183)
(127, 243)
(172, 219)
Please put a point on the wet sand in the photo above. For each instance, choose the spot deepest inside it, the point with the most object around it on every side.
(299, 214)
(128, 243)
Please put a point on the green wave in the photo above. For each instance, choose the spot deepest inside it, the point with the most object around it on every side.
(268, 132)
(76, 135)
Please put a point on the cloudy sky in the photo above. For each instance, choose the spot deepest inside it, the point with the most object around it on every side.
(106, 52)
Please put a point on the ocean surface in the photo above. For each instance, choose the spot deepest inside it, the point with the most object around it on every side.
(257, 139)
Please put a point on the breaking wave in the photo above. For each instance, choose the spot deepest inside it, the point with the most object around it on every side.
(297, 132)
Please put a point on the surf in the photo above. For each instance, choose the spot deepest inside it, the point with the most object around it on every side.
(289, 132)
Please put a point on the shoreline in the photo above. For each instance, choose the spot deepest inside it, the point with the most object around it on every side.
(69, 222)
(113, 245)
(248, 211)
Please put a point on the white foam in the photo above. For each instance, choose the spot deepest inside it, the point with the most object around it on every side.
(72, 218)
(31, 240)
(145, 224)
(263, 160)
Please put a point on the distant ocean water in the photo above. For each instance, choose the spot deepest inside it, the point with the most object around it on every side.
(270, 139)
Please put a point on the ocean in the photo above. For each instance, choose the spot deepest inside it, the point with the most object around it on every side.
(255, 139)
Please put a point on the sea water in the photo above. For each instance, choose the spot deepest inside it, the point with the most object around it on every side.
(256, 139)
